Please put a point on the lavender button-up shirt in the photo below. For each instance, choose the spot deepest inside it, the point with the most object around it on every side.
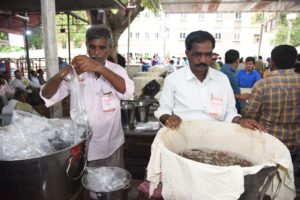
(107, 132)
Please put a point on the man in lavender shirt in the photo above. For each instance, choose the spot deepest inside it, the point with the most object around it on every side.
(105, 85)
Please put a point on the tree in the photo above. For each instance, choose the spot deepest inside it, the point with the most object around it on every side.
(35, 39)
(117, 20)
(282, 31)
(7, 48)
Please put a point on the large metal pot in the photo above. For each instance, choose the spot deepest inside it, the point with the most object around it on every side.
(107, 183)
(51, 177)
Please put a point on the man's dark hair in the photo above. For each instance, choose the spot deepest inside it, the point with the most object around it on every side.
(171, 62)
(98, 32)
(250, 59)
(231, 56)
(260, 57)
(15, 72)
(198, 37)
(298, 58)
(284, 56)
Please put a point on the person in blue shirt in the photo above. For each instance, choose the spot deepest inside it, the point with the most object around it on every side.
(229, 68)
(248, 76)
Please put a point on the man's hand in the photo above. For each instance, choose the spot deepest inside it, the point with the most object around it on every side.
(64, 72)
(85, 64)
(251, 124)
(173, 122)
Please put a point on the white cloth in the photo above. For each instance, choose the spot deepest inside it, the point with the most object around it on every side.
(184, 95)
(23, 83)
(35, 81)
(186, 179)
(107, 132)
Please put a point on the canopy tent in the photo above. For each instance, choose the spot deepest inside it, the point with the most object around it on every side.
(61, 5)
(196, 6)
(11, 11)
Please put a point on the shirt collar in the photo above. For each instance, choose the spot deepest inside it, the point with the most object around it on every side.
(189, 74)
(228, 66)
(282, 71)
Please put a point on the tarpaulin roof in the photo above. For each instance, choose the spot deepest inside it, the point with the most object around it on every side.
(196, 6)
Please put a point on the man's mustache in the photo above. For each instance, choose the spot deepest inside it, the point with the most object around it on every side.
(201, 65)
(98, 59)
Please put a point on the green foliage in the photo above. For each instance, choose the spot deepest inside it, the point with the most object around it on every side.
(35, 39)
(77, 29)
(3, 36)
(257, 18)
(283, 29)
(7, 48)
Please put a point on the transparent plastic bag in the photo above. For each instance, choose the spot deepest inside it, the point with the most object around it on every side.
(77, 108)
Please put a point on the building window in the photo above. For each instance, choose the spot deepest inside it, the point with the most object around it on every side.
(147, 35)
(130, 34)
(137, 35)
(183, 16)
(182, 35)
(147, 14)
(218, 36)
(201, 15)
(167, 15)
(236, 37)
(155, 35)
(219, 16)
(238, 15)
(256, 38)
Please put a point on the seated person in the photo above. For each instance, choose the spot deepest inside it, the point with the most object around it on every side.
(34, 78)
(23, 83)
(6, 92)
(19, 102)
(41, 76)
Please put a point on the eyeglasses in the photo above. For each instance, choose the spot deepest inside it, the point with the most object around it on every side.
(200, 54)
(94, 47)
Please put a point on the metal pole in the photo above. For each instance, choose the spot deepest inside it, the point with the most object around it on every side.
(128, 42)
(288, 40)
(27, 48)
(69, 37)
(260, 39)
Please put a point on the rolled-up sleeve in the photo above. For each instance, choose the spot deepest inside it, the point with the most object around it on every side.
(60, 94)
(166, 102)
(128, 84)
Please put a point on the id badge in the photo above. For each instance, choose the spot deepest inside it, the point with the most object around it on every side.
(108, 102)
(215, 107)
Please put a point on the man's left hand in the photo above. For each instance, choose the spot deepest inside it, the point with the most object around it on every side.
(251, 124)
(85, 64)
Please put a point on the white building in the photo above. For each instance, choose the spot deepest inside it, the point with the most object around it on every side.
(164, 34)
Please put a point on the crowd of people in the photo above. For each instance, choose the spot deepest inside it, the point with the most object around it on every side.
(21, 93)
(204, 88)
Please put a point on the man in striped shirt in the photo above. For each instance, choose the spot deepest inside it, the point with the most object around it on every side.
(275, 100)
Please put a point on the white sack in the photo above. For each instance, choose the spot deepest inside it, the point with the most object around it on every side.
(186, 179)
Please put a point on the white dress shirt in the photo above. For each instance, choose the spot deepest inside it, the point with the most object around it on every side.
(107, 131)
(184, 95)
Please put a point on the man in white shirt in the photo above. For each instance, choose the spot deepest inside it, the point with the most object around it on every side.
(23, 83)
(198, 92)
(105, 84)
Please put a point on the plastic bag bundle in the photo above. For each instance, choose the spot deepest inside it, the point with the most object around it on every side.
(77, 108)
(31, 136)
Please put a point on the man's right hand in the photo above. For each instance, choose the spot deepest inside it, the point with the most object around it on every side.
(171, 121)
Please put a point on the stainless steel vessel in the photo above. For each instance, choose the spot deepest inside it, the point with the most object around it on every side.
(51, 177)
